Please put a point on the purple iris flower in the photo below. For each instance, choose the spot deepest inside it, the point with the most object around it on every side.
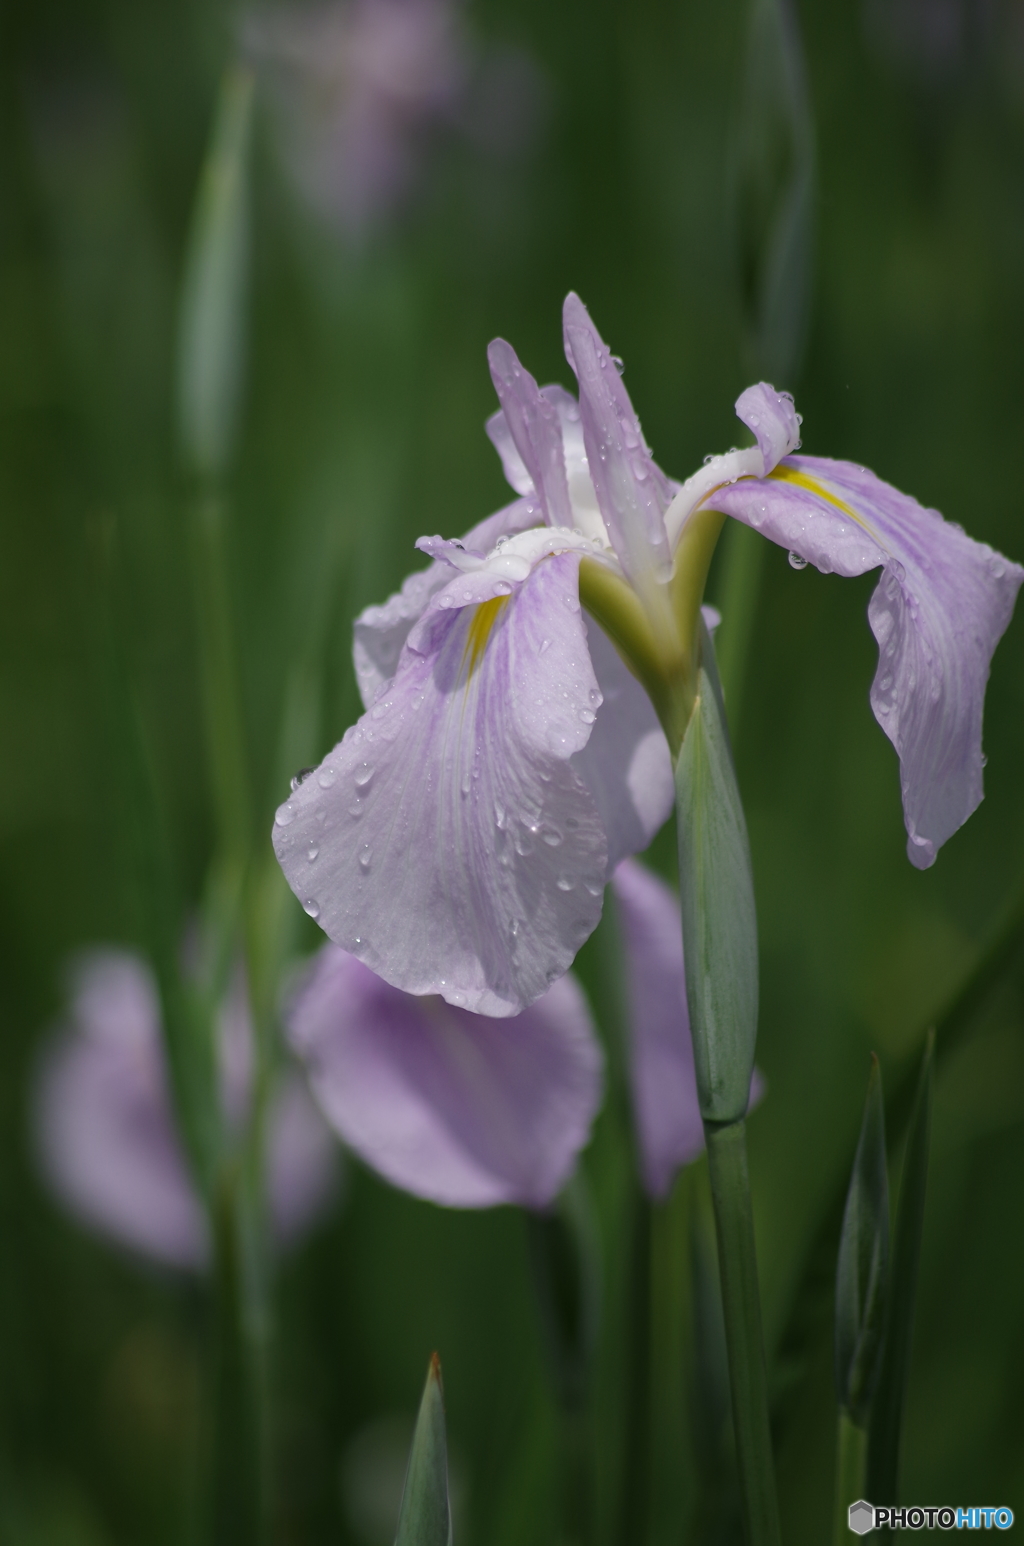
(470, 1111)
(105, 1131)
(459, 837)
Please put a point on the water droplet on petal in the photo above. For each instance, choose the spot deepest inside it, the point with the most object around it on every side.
(312, 907)
(300, 777)
(325, 778)
(797, 561)
(312, 851)
(363, 775)
(365, 857)
(545, 644)
(619, 363)
(285, 814)
(565, 883)
(588, 716)
(552, 837)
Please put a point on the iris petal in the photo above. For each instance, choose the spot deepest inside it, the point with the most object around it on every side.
(533, 423)
(462, 1109)
(448, 842)
(669, 1127)
(632, 491)
(626, 764)
(105, 1132)
(941, 607)
(380, 632)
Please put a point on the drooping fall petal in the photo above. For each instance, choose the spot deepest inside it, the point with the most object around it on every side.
(447, 841)
(939, 610)
(462, 1109)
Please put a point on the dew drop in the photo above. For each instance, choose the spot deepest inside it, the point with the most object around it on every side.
(365, 857)
(545, 644)
(300, 777)
(588, 716)
(285, 814)
(565, 883)
(619, 363)
(363, 775)
(514, 928)
(312, 851)
(311, 906)
(984, 760)
(796, 561)
(552, 837)
(356, 809)
(325, 778)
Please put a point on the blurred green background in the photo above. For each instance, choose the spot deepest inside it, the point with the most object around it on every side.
(366, 391)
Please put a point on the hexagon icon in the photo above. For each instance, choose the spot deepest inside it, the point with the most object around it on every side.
(862, 1517)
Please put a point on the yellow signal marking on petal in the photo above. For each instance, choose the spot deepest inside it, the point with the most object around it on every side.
(480, 628)
(804, 480)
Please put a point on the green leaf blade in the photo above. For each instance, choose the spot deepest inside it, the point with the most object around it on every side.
(716, 892)
(425, 1515)
(887, 1409)
(211, 322)
(862, 1270)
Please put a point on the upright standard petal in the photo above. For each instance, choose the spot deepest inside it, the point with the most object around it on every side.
(447, 841)
(458, 1108)
(774, 422)
(669, 1127)
(940, 608)
(632, 491)
(533, 423)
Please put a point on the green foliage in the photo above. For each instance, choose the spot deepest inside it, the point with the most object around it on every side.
(425, 1517)
(886, 1428)
(719, 925)
(862, 1270)
(365, 389)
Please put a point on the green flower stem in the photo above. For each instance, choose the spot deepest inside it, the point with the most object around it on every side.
(741, 1304)
(635, 1495)
(237, 1507)
(851, 1467)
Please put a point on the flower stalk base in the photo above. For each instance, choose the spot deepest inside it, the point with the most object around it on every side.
(737, 1261)
(851, 1469)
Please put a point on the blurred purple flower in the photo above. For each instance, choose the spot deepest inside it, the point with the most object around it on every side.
(471, 1111)
(360, 84)
(105, 1132)
(458, 838)
(462, 1109)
